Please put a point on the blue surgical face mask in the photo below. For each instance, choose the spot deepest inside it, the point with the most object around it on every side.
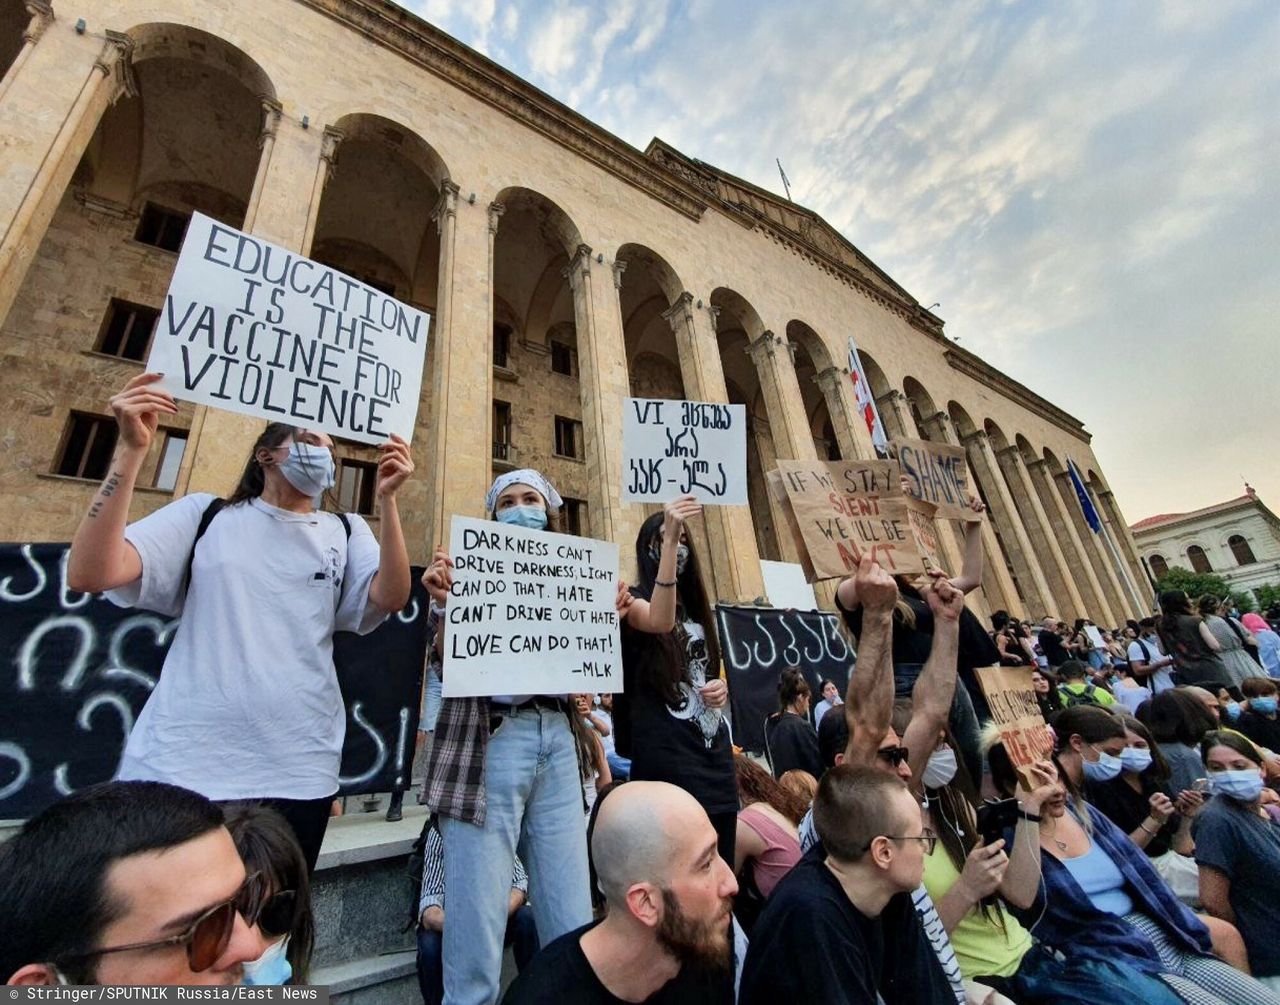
(1245, 785)
(272, 967)
(532, 517)
(309, 469)
(1136, 759)
(1231, 710)
(1105, 768)
(1264, 706)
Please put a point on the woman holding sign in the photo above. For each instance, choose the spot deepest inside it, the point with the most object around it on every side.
(504, 771)
(671, 717)
(248, 706)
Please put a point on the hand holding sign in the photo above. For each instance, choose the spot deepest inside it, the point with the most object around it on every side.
(438, 577)
(137, 410)
(937, 473)
(676, 514)
(944, 600)
(395, 466)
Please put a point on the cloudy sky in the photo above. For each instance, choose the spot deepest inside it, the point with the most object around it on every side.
(1090, 189)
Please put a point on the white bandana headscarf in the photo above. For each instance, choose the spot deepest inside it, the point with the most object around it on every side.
(525, 476)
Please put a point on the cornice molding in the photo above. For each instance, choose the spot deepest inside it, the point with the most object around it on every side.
(989, 376)
(427, 46)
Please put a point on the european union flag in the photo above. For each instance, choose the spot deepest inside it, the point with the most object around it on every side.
(1086, 503)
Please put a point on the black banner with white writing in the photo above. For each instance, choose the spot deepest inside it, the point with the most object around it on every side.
(758, 643)
(75, 671)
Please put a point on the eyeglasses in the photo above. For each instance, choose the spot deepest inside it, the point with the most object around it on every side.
(273, 914)
(205, 939)
(927, 837)
(893, 755)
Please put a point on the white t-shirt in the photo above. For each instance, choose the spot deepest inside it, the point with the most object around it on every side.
(248, 705)
(1161, 680)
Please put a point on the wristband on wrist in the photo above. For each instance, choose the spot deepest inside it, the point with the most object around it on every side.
(667, 583)
(1031, 817)
(1143, 826)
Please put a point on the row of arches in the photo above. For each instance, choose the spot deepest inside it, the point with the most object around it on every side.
(1198, 558)
(192, 131)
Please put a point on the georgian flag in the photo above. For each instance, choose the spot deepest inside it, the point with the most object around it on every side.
(866, 402)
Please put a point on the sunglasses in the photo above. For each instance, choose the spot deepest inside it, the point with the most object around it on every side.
(892, 755)
(205, 939)
(273, 914)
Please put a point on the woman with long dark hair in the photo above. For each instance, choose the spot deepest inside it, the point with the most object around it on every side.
(1238, 850)
(276, 902)
(670, 719)
(248, 705)
(1185, 636)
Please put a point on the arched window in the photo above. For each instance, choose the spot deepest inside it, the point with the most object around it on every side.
(1198, 559)
(1159, 567)
(1241, 550)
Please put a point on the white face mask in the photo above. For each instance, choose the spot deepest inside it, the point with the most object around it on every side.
(941, 768)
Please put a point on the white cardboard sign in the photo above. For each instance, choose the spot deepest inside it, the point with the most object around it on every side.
(674, 448)
(252, 327)
(530, 612)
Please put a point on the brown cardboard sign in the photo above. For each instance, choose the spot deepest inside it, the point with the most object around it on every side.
(1014, 707)
(937, 473)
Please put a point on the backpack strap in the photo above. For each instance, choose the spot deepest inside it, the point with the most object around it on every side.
(215, 507)
(346, 523)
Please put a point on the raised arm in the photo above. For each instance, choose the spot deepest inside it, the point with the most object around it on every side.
(970, 577)
(936, 685)
(392, 583)
(868, 706)
(1021, 883)
(657, 615)
(101, 558)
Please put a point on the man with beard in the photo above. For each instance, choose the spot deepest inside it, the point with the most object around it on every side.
(842, 929)
(666, 938)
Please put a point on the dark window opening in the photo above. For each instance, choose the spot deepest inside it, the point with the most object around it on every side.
(357, 482)
(126, 330)
(87, 446)
(162, 228)
(568, 437)
(563, 359)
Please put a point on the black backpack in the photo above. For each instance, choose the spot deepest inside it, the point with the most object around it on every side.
(215, 507)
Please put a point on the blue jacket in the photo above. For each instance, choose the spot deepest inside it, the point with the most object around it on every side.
(1074, 927)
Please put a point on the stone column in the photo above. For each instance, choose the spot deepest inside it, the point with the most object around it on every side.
(220, 441)
(851, 431)
(603, 384)
(997, 590)
(734, 556)
(774, 358)
(1034, 588)
(44, 144)
(41, 12)
(1077, 558)
(895, 413)
(1120, 534)
(1044, 543)
(1093, 546)
(330, 140)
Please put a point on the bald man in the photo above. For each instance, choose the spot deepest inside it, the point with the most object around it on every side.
(666, 937)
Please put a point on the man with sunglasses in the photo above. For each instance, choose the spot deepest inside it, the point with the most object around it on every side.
(849, 914)
(124, 883)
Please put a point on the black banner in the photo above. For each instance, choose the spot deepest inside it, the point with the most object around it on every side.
(75, 671)
(758, 643)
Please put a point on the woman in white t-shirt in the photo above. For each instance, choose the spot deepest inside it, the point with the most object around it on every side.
(248, 705)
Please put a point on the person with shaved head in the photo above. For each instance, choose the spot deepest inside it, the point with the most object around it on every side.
(666, 936)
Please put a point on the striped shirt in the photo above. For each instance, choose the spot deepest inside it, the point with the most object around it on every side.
(432, 894)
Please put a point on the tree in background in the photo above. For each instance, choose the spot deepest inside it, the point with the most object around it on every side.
(1197, 584)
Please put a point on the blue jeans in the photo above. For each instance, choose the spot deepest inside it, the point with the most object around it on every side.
(619, 766)
(533, 796)
(521, 936)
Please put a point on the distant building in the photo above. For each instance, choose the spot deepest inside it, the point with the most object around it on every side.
(1238, 540)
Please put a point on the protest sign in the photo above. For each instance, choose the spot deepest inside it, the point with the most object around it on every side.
(252, 327)
(1015, 710)
(847, 508)
(82, 670)
(530, 612)
(920, 518)
(675, 448)
(758, 643)
(937, 473)
(1094, 636)
(786, 587)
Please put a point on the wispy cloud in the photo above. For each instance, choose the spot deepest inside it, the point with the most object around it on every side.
(1090, 190)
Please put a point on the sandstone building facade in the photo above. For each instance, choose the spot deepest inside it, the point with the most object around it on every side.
(563, 270)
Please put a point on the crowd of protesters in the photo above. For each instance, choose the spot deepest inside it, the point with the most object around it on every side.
(886, 848)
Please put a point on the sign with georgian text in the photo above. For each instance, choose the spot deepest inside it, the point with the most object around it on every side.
(675, 448)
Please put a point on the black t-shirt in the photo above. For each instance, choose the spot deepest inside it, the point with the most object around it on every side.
(1261, 730)
(686, 744)
(812, 946)
(561, 975)
(1128, 810)
(793, 743)
(1051, 645)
